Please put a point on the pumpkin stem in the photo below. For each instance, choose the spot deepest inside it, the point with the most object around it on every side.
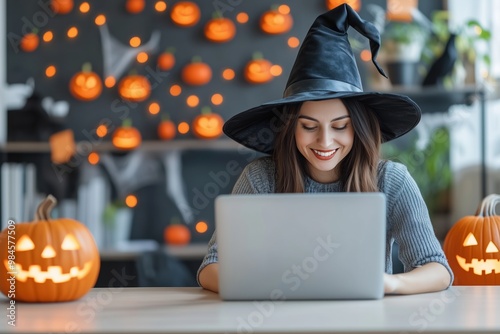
(45, 207)
(487, 207)
(87, 67)
(127, 123)
(206, 110)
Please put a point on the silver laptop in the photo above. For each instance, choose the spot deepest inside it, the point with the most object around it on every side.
(301, 246)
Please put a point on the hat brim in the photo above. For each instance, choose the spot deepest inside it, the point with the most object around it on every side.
(255, 128)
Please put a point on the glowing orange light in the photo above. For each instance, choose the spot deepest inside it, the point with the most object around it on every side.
(48, 36)
(284, 9)
(100, 20)
(154, 108)
(142, 57)
(228, 74)
(217, 99)
(50, 71)
(160, 6)
(93, 158)
(365, 55)
(135, 42)
(276, 70)
(72, 32)
(183, 128)
(101, 131)
(293, 42)
(192, 101)
(175, 90)
(131, 201)
(242, 17)
(201, 227)
(110, 82)
(84, 7)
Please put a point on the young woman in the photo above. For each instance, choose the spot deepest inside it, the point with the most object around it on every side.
(325, 136)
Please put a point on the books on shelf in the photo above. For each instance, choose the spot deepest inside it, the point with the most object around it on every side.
(19, 197)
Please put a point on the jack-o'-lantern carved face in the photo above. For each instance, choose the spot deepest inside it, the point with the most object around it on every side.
(479, 266)
(55, 259)
(472, 246)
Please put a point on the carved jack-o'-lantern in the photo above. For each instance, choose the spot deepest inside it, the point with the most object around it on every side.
(126, 137)
(220, 29)
(472, 246)
(86, 85)
(134, 87)
(48, 260)
(355, 4)
(275, 22)
(185, 13)
(258, 70)
(207, 125)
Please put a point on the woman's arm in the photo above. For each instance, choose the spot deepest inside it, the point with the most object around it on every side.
(209, 277)
(430, 277)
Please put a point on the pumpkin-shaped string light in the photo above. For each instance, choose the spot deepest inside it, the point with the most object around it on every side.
(277, 20)
(61, 7)
(135, 6)
(185, 13)
(30, 41)
(126, 137)
(220, 29)
(166, 59)
(472, 246)
(258, 70)
(166, 128)
(207, 125)
(355, 4)
(56, 260)
(196, 73)
(86, 85)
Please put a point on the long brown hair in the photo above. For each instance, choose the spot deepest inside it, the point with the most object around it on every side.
(358, 170)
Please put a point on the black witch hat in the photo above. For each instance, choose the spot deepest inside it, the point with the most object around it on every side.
(325, 68)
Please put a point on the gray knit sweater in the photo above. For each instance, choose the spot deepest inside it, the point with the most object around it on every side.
(408, 221)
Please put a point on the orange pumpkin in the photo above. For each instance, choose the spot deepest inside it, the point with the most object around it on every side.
(135, 88)
(126, 137)
(166, 60)
(275, 21)
(196, 73)
(85, 85)
(166, 129)
(185, 13)
(29, 42)
(177, 234)
(207, 125)
(61, 6)
(258, 70)
(48, 260)
(220, 29)
(135, 6)
(472, 246)
(355, 4)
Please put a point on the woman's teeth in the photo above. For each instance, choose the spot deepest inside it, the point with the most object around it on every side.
(325, 154)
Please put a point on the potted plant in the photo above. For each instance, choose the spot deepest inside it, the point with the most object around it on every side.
(402, 45)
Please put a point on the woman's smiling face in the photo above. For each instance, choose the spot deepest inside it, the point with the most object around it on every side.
(324, 136)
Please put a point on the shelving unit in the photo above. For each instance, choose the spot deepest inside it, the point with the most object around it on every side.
(438, 99)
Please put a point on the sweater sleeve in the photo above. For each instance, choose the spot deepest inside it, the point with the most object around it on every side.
(408, 220)
(256, 177)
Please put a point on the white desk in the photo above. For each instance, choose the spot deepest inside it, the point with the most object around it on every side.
(192, 310)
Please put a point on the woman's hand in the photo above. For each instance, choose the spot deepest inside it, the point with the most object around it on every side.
(430, 277)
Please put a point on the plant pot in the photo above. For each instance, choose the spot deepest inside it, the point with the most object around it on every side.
(403, 73)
